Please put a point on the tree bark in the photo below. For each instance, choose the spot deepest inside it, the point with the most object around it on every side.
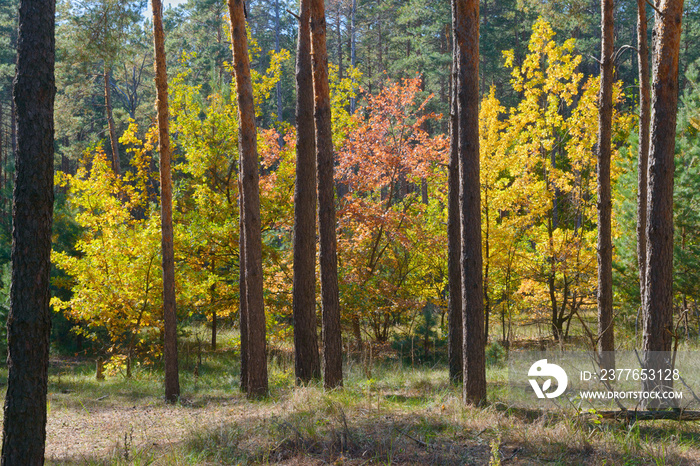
(474, 358)
(243, 303)
(643, 149)
(332, 341)
(658, 298)
(114, 143)
(250, 205)
(29, 319)
(307, 364)
(454, 314)
(278, 86)
(353, 11)
(606, 336)
(172, 379)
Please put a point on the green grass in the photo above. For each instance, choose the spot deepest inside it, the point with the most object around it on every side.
(386, 413)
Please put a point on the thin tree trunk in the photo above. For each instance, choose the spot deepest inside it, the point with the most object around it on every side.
(252, 239)
(340, 41)
(352, 47)
(29, 319)
(454, 315)
(643, 151)
(332, 341)
(213, 330)
(474, 358)
(606, 336)
(307, 363)
(658, 298)
(172, 378)
(114, 143)
(278, 86)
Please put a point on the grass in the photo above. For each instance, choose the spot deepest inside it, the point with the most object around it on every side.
(387, 413)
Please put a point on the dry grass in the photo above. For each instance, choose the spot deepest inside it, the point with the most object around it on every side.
(386, 414)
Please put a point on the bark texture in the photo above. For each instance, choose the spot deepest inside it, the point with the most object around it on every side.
(658, 299)
(172, 379)
(643, 149)
(307, 364)
(606, 337)
(454, 314)
(29, 319)
(332, 342)
(466, 32)
(250, 206)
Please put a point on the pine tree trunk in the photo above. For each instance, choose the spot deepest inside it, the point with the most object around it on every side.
(114, 143)
(29, 319)
(352, 47)
(278, 86)
(332, 341)
(606, 337)
(454, 315)
(643, 150)
(172, 379)
(250, 211)
(307, 364)
(658, 298)
(474, 358)
(242, 299)
(213, 330)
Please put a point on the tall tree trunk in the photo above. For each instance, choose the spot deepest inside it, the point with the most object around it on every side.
(340, 40)
(454, 314)
(353, 11)
(606, 336)
(332, 341)
(278, 86)
(29, 319)
(242, 300)
(307, 364)
(250, 211)
(658, 298)
(114, 143)
(172, 378)
(643, 150)
(474, 357)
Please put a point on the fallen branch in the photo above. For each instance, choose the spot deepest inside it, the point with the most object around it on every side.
(647, 415)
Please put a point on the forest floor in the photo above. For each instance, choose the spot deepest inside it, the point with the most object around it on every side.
(388, 413)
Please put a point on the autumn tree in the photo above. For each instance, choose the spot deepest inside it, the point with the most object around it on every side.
(172, 383)
(658, 290)
(29, 319)
(391, 248)
(328, 259)
(251, 260)
(606, 336)
(466, 33)
(307, 363)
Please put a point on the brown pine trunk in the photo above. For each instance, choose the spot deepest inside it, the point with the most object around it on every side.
(474, 358)
(643, 151)
(658, 298)
(29, 319)
(307, 364)
(172, 379)
(606, 337)
(454, 314)
(243, 304)
(250, 211)
(114, 143)
(330, 306)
